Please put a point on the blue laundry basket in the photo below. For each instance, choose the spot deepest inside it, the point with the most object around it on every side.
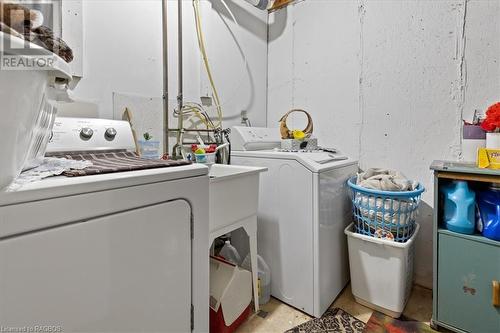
(384, 214)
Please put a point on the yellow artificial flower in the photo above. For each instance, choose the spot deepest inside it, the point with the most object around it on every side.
(298, 135)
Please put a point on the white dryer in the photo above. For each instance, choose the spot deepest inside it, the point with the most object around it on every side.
(121, 252)
(303, 211)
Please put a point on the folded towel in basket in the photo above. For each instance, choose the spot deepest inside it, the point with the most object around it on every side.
(385, 180)
(387, 213)
(392, 212)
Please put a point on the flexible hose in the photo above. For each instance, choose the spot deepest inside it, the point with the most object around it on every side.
(201, 43)
(196, 109)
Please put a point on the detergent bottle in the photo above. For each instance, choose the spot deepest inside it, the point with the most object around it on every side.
(488, 203)
(459, 207)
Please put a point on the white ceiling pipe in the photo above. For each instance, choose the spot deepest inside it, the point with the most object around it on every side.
(261, 4)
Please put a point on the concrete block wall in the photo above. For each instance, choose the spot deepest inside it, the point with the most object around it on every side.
(387, 82)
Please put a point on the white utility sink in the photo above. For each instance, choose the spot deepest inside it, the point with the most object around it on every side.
(234, 194)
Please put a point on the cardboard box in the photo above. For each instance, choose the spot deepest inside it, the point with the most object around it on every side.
(230, 295)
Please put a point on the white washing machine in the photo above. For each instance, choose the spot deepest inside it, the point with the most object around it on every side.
(120, 252)
(303, 211)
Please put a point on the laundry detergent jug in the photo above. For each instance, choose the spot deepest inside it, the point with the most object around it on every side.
(459, 207)
(488, 202)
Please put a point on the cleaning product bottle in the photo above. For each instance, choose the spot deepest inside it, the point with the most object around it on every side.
(230, 253)
(459, 207)
(488, 203)
(264, 276)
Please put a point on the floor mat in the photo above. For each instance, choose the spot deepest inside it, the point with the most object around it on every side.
(380, 323)
(333, 321)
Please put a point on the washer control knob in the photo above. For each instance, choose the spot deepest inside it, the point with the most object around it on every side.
(86, 133)
(110, 133)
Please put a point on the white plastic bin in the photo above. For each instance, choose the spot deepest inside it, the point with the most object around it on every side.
(207, 158)
(27, 112)
(381, 271)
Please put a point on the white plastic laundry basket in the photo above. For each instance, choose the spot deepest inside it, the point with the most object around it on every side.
(27, 112)
(381, 271)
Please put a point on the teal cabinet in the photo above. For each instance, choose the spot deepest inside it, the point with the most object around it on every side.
(466, 267)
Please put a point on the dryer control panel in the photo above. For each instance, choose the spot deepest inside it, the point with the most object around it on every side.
(90, 134)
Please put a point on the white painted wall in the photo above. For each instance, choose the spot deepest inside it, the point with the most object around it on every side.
(240, 87)
(123, 53)
(120, 53)
(72, 32)
(387, 81)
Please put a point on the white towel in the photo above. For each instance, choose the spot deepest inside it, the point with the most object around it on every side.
(51, 166)
(385, 180)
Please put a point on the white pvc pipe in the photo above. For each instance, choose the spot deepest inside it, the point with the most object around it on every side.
(261, 4)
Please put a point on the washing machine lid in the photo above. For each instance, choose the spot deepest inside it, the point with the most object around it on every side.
(60, 186)
(315, 161)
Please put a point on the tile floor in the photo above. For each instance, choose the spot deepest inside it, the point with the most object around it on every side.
(282, 317)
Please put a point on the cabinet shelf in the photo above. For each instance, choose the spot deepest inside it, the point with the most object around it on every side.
(469, 177)
(475, 237)
(464, 171)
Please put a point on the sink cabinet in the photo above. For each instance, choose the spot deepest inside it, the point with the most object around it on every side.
(234, 199)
